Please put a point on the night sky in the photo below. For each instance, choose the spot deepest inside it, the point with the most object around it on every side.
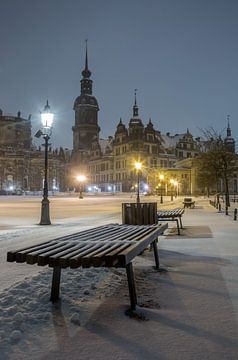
(181, 55)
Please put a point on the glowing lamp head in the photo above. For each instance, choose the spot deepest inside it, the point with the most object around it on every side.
(81, 178)
(47, 116)
(138, 165)
(161, 177)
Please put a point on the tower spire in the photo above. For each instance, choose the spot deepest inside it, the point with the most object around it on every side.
(135, 107)
(86, 57)
(228, 130)
(86, 72)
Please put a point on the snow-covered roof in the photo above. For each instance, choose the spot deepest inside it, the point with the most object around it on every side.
(105, 144)
(169, 141)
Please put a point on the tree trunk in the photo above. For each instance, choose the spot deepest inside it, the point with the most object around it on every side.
(227, 198)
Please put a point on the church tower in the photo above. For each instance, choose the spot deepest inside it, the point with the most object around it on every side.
(229, 140)
(86, 129)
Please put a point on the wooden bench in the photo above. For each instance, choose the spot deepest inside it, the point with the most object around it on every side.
(111, 245)
(172, 215)
(189, 203)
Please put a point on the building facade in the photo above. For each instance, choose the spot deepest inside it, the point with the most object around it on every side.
(109, 164)
(22, 163)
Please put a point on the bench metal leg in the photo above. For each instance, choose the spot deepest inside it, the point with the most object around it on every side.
(156, 255)
(177, 226)
(180, 220)
(131, 285)
(55, 287)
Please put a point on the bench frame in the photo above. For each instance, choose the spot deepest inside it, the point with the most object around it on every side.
(141, 237)
(189, 203)
(172, 215)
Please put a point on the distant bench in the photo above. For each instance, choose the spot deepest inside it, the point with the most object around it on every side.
(172, 215)
(189, 203)
(111, 245)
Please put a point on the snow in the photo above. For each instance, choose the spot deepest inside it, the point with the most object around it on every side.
(188, 312)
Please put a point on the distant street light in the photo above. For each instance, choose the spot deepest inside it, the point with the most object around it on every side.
(161, 177)
(47, 118)
(138, 167)
(81, 179)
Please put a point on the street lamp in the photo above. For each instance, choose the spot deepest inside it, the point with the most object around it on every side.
(161, 177)
(47, 118)
(81, 179)
(138, 167)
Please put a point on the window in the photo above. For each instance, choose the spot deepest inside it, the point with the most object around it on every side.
(154, 150)
(153, 162)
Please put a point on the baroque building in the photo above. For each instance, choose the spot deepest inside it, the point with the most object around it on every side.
(22, 163)
(109, 164)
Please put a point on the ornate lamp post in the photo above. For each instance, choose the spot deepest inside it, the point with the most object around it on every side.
(81, 179)
(161, 177)
(47, 118)
(138, 167)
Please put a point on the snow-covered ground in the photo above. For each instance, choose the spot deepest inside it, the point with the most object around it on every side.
(191, 310)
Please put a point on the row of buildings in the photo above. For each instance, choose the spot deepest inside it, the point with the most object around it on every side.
(108, 164)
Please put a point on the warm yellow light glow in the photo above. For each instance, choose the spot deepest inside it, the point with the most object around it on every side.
(138, 165)
(175, 183)
(171, 181)
(161, 177)
(81, 178)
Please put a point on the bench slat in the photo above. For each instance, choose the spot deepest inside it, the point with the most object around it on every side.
(100, 258)
(75, 261)
(111, 258)
(127, 255)
(11, 255)
(43, 258)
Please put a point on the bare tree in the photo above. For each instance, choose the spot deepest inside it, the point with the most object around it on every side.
(216, 162)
